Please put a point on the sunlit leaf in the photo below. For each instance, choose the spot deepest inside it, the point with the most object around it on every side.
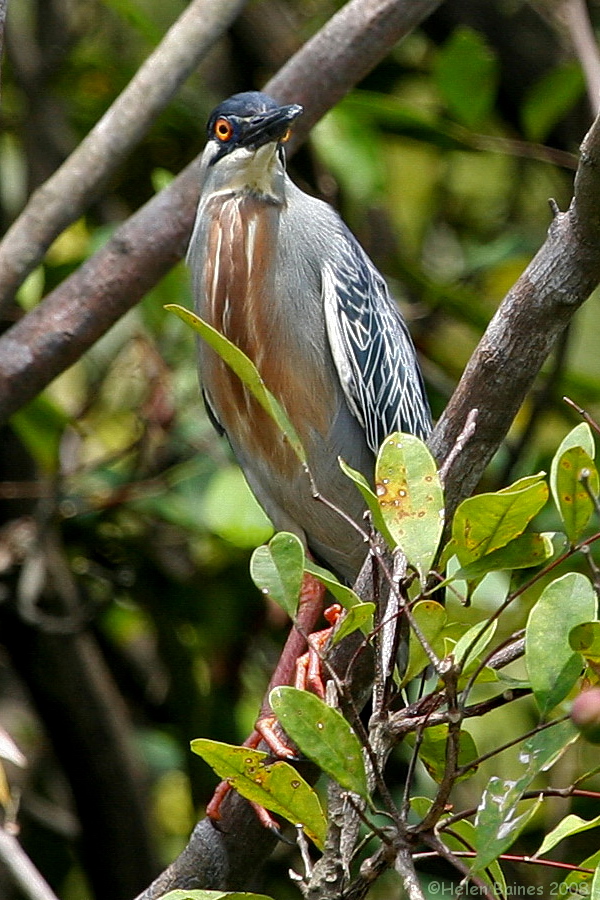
(523, 552)
(466, 75)
(323, 735)
(229, 509)
(552, 665)
(246, 371)
(580, 436)
(431, 617)
(521, 483)
(486, 522)
(497, 823)
(574, 503)
(569, 826)
(410, 497)
(275, 785)
(595, 888)
(277, 569)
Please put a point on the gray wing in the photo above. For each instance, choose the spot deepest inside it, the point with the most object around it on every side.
(372, 349)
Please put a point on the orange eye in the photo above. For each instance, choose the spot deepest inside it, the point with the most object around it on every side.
(223, 130)
(287, 135)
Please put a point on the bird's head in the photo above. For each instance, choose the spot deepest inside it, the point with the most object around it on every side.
(244, 150)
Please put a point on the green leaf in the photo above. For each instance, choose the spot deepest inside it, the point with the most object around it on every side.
(370, 499)
(575, 883)
(525, 551)
(580, 436)
(276, 785)
(585, 639)
(246, 371)
(229, 509)
(212, 895)
(521, 483)
(465, 830)
(277, 569)
(547, 101)
(323, 735)
(344, 595)
(40, 426)
(569, 826)
(552, 665)
(595, 894)
(466, 74)
(432, 751)
(473, 642)
(574, 503)
(410, 497)
(431, 617)
(486, 522)
(497, 824)
(360, 616)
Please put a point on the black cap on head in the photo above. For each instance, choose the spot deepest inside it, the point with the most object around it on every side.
(250, 119)
(245, 104)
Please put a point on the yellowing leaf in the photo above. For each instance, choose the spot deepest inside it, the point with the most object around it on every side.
(486, 522)
(410, 498)
(275, 785)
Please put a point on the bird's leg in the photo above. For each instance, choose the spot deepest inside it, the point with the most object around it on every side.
(310, 607)
(309, 671)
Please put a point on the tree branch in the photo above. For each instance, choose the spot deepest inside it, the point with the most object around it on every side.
(524, 330)
(575, 15)
(55, 334)
(519, 338)
(77, 183)
(2, 27)
(22, 870)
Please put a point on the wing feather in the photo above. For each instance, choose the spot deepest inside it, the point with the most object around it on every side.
(372, 348)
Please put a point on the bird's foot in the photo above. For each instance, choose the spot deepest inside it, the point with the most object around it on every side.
(309, 667)
(308, 676)
(268, 730)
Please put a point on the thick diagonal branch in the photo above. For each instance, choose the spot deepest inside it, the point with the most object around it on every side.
(57, 333)
(78, 182)
(524, 329)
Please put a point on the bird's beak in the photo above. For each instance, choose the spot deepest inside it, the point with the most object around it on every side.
(269, 126)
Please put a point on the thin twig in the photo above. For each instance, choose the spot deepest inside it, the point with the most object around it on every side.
(23, 872)
(514, 595)
(583, 413)
(465, 435)
(475, 763)
(576, 17)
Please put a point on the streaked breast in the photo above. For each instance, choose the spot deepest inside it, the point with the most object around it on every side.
(242, 303)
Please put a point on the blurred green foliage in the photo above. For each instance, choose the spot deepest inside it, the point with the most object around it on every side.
(435, 162)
